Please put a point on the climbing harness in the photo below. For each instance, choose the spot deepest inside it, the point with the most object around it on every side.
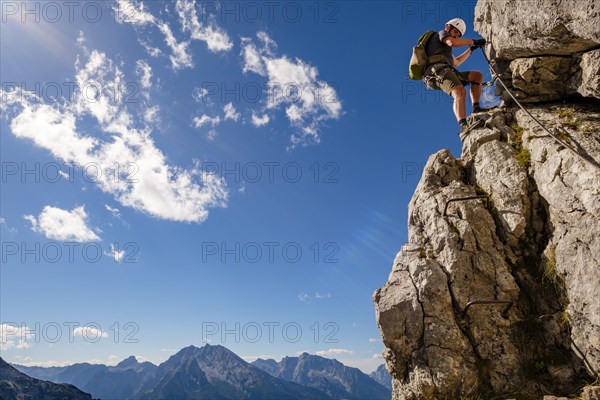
(561, 142)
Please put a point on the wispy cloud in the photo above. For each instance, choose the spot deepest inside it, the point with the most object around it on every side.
(306, 298)
(260, 121)
(144, 72)
(15, 337)
(216, 38)
(56, 223)
(135, 13)
(293, 84)
(151, 185)
(115, 253)
(334, 352)
(206, 120)
(230, 112)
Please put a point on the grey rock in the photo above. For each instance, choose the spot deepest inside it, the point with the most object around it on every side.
(540, 78)
(591, 393)
(526, 28)
(544, 49)
(571, 188)
(546, 212)
(590, 80)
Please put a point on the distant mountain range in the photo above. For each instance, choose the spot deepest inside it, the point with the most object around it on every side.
(329, 376)
(214, 372)
(15, 385)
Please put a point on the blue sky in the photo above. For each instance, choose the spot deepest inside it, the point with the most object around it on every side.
(235, 173)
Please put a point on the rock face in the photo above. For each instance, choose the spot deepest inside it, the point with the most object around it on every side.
(550, 45)
(497, 294)
(444, 313)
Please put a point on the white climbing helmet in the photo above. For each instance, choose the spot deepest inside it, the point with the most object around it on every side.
(458, 24)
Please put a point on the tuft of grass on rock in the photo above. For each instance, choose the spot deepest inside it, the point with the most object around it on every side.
(523, 156)
(550, 272)
(567, 118)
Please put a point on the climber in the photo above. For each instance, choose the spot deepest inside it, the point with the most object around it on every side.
(441, 74)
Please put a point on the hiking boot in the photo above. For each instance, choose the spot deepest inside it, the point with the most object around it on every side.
(465, 129)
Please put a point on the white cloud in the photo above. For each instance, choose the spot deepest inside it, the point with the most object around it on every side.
(207, 120)
(115, 254)
(2, 221)
(293, 85)
(89, 332)
(15, 337)
(230, 112)
(211, 135)
(180, 58)
(154, 187)
(374, 340)
(215, 37)
(304, 297)
(113, 210)
(151, 50)
(200, 94)
(151, 115)
(260, 121)
(45, 364)
(334, 352)
(69, 226)
(253, 61)
(144, 72)
(132, 12)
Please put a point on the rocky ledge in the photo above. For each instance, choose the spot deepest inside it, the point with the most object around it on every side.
(495, 294)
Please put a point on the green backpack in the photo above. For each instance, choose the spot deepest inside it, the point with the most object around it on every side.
(419, 59)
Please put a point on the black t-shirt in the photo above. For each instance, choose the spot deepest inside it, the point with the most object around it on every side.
(437, 46)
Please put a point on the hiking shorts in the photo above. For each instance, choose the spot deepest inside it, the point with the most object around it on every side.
(445, 78)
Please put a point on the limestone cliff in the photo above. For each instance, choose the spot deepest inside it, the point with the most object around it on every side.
(498, 295)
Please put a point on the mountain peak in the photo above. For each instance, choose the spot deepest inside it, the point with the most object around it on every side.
(128, 362)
